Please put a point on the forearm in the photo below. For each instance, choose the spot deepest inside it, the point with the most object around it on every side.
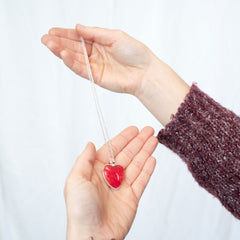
(201, 131)
(162, 91)
(206, 136)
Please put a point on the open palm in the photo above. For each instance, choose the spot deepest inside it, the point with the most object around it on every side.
(98, 210)
(118, 61)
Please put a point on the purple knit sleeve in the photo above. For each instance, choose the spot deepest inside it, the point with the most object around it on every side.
(206, 136)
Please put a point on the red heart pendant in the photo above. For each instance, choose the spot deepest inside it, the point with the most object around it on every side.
(113, 174)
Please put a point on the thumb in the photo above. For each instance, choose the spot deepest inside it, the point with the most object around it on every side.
(85, 161)
(95, 34)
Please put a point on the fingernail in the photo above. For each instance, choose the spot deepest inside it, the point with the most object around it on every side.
(79, 25)
(87, 146)
(44, 39)
(51, 31)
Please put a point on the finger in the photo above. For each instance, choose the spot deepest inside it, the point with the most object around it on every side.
(129, 152)
(118, 143)
(142, 180)
(95, 34)
(70, 59)
(76, 62)
(136, 165)
(84, 162)
(64, 43)
(78, 67)
(54, 47)
(64, 33)
(67, 53)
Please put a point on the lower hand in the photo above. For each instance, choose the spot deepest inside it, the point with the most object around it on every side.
(93, 209)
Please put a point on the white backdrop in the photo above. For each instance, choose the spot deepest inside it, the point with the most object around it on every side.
(47, 113)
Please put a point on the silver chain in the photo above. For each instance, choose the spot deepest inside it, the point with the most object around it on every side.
(98, 108)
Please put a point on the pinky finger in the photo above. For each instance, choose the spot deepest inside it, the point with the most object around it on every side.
(143, 178)
(76, 66)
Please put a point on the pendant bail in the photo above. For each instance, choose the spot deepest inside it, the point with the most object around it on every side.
(112, 161)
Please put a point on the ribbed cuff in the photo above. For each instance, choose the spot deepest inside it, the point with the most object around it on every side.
(206, 136)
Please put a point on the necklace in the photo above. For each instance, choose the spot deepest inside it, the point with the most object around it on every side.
(113, 173)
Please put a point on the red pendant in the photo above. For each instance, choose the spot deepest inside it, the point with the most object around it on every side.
(113, 175)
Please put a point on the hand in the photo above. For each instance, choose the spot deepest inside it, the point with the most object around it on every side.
(118, 62)
(121, 64)
(93, 209)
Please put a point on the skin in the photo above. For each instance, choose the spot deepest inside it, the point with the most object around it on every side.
(122, 64)
(93, 209)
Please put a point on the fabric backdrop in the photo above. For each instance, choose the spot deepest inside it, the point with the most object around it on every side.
(47, 113)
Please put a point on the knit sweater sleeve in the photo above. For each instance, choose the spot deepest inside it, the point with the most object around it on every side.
(206, 136)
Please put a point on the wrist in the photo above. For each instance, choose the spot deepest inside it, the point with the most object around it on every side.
(162, 91)
(76, 232)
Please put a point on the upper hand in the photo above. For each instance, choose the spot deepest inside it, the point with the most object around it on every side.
(93, 209)
(119, 62)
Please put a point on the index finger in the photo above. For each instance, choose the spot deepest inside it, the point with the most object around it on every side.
(118, 143)
(68, 33)
(67, 38)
